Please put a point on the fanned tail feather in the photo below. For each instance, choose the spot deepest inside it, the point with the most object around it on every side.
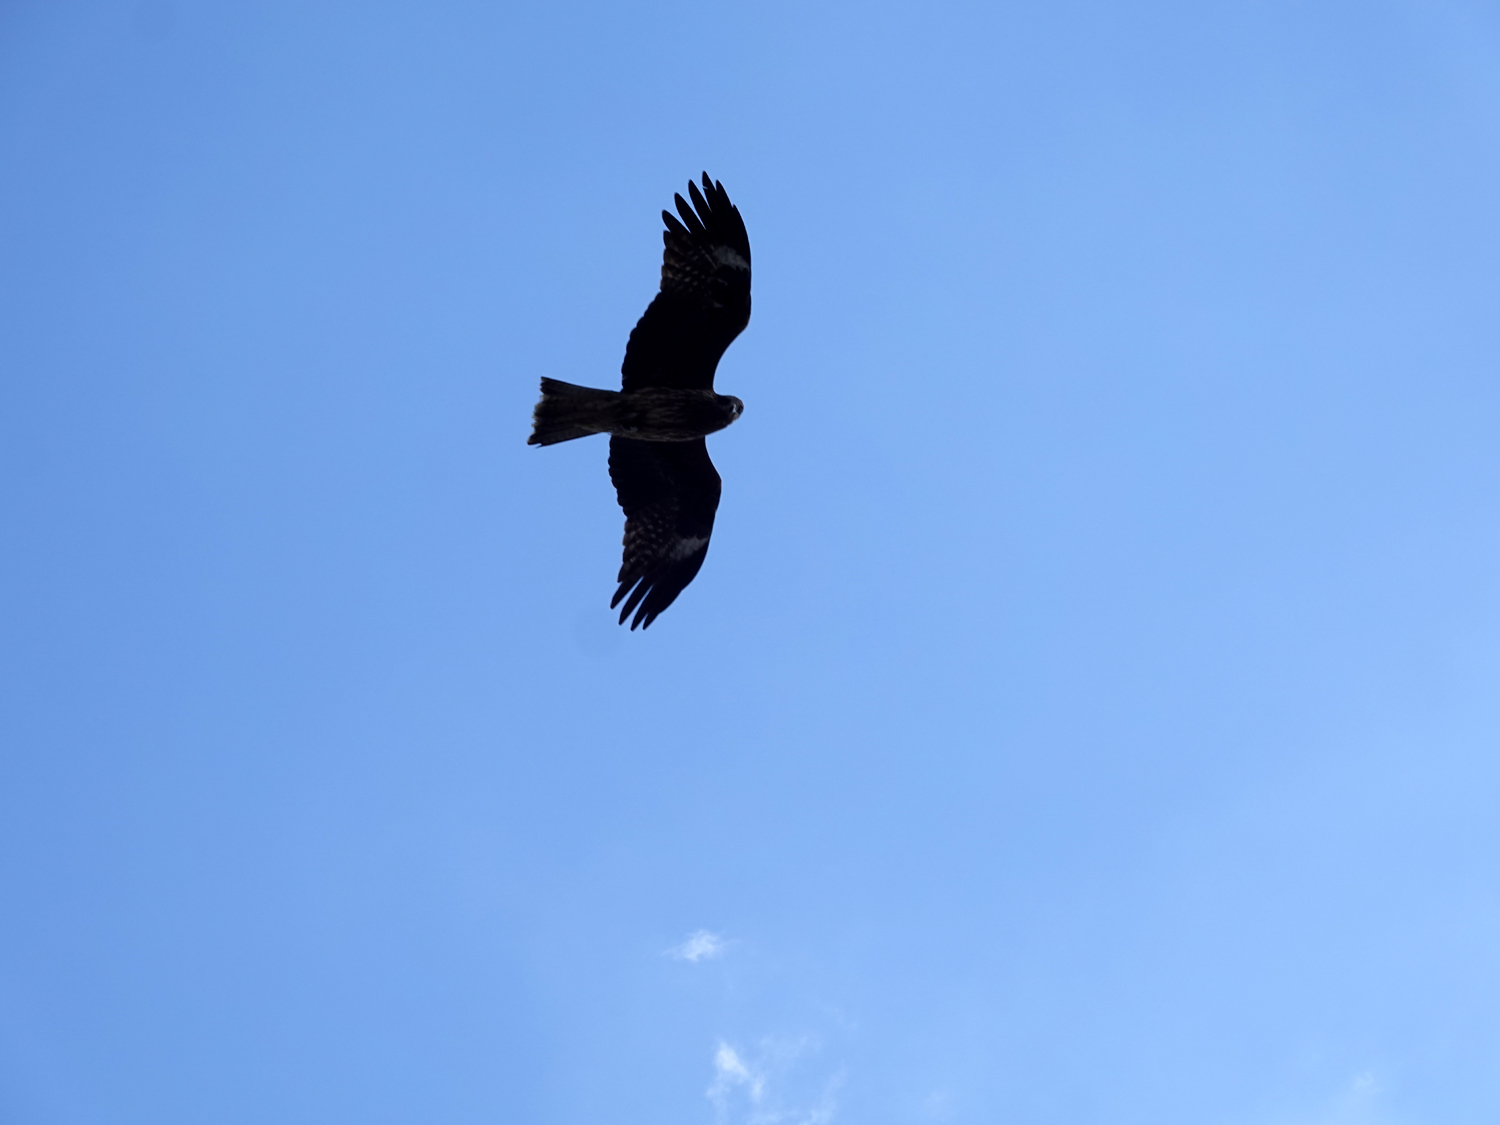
(567, 411)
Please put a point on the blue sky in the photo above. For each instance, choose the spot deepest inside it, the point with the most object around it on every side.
(1088, 709)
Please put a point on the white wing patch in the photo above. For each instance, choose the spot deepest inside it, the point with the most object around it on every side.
(685, 547)
(728, 256)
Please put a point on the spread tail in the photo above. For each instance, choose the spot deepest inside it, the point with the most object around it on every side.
(567, 411)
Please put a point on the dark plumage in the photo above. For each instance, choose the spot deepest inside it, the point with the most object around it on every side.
(666, 404)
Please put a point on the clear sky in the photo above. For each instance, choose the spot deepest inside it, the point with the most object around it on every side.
(1088, 710)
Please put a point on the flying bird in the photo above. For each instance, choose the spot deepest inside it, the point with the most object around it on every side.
(666, 403)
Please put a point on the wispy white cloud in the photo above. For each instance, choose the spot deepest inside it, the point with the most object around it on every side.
(762, 1090)
(1358, 1103)
(938, 1105)
(730, 1072)
(701, 945)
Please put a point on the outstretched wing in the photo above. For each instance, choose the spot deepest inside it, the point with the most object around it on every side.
(670, 492)
(704, 301)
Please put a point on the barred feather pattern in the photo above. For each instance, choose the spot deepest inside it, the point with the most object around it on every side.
(707, 256)
(670, 493)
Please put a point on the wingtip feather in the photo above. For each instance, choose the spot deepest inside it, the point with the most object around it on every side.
(694, 223)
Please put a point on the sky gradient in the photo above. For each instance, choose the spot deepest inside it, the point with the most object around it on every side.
(1088, 709)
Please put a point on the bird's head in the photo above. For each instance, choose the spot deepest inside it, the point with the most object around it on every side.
(733, 406)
